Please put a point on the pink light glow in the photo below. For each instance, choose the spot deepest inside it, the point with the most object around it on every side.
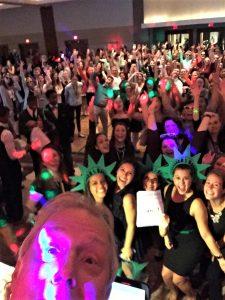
(36, 145)
(20, 232)
(174, 26)
(211, 25)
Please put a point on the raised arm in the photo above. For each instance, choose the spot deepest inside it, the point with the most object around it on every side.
(151, 116)
(129, 205)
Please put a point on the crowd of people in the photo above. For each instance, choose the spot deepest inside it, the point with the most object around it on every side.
(166, 99)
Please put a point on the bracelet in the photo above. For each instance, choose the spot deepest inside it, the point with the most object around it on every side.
(219, 256)
(195, 111)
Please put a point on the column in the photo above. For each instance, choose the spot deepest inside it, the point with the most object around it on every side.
(48, 24)
(138, 18)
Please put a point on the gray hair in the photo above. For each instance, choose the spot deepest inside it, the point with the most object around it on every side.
(70, 200)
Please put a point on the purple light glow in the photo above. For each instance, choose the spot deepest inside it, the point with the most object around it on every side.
(49, 267)
(89, 291)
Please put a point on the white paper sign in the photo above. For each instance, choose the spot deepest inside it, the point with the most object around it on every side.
(5, 277)
(149, 208)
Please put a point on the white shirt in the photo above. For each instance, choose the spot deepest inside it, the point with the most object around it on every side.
(116, 83)
(8, 140)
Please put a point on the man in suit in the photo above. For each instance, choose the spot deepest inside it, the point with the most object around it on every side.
(10, 171)
(59, 125)
(28, 119)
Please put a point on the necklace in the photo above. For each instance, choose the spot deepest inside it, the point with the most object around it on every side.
(216, 217)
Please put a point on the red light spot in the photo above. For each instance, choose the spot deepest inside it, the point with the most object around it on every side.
(36, 144)
(116, 42)
(14, 248)
(211, 25)
(47, 155)
(174, 26)
(27, 41)
(20, 232)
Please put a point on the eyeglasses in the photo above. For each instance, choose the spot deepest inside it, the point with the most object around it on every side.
(151, 180)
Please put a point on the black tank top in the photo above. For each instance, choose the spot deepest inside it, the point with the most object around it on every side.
(180, 219)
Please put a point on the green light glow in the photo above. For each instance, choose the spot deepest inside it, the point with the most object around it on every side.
(46, 175)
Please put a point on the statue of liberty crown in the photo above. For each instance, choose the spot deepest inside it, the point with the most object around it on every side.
(183, 158)
(91, 169)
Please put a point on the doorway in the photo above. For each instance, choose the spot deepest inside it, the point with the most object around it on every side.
(28, 50)
(178, 38)
(4, 54)
(80, 45)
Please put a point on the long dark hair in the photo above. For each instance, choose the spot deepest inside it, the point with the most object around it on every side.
(132, 186)
(88, 191)
(62, 169)
(184, 166)
(127, 141)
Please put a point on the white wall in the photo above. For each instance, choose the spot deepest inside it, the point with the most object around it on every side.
(99, 21)
(92, 14)
(20, 21)
(177, 10)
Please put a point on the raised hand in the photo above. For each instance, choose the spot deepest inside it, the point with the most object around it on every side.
(126, 254)
(143, 99)
(196, 89)
(208, 157)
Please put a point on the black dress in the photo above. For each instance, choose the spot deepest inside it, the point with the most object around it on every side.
(188, 245)
(120, 224)
(214, 273)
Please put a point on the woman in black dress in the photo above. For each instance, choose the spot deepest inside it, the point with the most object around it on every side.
(214, 193)
(123, 207)
(96, 190)
(185, 231)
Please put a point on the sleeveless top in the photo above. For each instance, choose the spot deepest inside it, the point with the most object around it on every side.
(120, 224)
(180, 219)
(217, 223)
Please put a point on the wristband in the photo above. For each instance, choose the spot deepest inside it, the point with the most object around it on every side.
(219, 256)
(195, 111)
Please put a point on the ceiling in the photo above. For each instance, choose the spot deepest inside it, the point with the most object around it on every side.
(5, 4)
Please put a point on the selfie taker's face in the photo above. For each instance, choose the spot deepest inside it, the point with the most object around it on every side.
(69, 259)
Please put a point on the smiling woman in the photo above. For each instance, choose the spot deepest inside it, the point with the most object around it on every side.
(123, 207)
(187, 228)
(214, 193)
(69, 254)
